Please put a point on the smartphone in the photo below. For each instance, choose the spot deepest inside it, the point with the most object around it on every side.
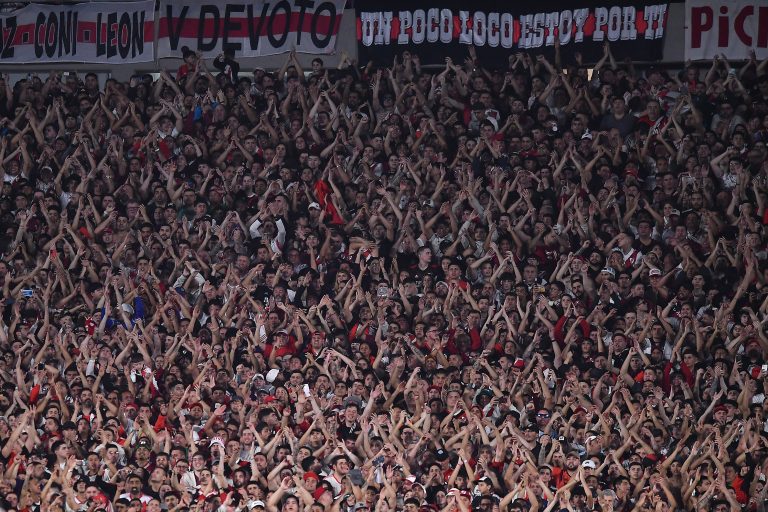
(27, 292)
(306, 390)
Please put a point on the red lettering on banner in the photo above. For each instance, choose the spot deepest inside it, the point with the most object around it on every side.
(701, 20)
(589, 25)
(640, 22)
(738, 24)
(722, 22)
(395, 30)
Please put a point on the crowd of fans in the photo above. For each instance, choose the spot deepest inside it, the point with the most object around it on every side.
(375, 288)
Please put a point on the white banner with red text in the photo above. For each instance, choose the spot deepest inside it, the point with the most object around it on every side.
(97, 32)
(733, 29)
(249, 28)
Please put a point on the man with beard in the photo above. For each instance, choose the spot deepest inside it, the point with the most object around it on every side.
(133, 490)
(562, 476)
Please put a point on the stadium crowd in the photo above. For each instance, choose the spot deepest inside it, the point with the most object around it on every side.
(372, 288)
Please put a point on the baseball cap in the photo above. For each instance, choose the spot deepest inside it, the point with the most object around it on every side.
(589, 464)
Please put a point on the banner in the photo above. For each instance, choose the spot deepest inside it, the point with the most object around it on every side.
(249, 28)
(436, 29)
(730, 28)
(99, 32)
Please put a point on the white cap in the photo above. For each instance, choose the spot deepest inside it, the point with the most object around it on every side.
(272, 375)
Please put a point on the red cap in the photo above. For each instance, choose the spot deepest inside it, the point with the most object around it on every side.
(319, 492)
(311, 474)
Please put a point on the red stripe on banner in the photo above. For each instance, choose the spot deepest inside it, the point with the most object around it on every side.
(322, 26)
(25, 34)
(149, 31)
(394, 29)
(190, 26)
(589, 25)
(515, 30)
(87, 29)
(85, 33)
(640, 22)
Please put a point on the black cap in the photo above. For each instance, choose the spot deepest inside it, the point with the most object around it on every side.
(69, 425)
